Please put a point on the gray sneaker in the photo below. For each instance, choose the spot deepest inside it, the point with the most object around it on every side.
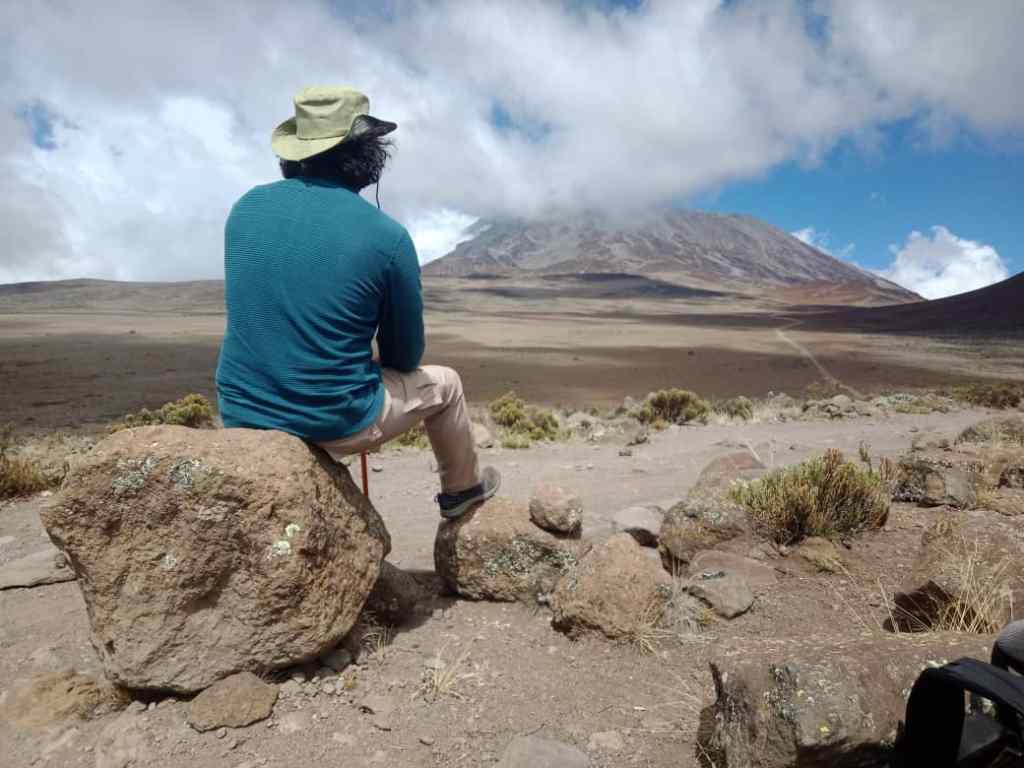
(455, 505)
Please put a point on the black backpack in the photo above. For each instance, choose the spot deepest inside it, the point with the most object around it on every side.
(940, 733)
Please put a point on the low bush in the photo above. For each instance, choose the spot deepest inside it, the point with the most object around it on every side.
(1003, 431)
(1002, 395)
(826, 496)
(413, 438)
(520, 423)
(19, 476)
(673, 406)
(734, 408)
(190, 411)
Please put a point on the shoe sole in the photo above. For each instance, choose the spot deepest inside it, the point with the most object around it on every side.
(464, 507)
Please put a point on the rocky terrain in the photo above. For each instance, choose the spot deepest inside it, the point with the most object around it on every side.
(611, 608)
(701, 250)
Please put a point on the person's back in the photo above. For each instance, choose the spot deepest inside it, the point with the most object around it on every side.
(308, 267)
(313, 273)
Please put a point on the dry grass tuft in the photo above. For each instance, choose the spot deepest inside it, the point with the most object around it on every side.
(673, 406)
(444, 677)
(19, 476)
(414, 438)
(995, 433)
(825, 496)
(1001, 395)
(374, 636)
(649, 630)
(521, 424)
(736, 408)
(190, 411)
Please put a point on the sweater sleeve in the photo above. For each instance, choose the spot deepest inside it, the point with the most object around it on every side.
(400, 335)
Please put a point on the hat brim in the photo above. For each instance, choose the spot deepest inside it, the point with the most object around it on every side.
(288, 146)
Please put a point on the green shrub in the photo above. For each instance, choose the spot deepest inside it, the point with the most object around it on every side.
(19, 476)
(413, 438)
(673, 406)
(735, 408)
(1000, 395)
(190, 411)
(826, 496)
(522, 423)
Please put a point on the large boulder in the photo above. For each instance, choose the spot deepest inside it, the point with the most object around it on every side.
(616, 590)
(818, 702)
(968, 572)
(201, 553)
(496, 552)
(932, 484)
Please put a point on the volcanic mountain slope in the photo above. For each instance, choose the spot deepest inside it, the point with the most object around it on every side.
(708, 250)
(997, 308)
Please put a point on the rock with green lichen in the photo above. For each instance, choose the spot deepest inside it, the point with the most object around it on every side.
(496, 552)
(201, 553)
(817, 702)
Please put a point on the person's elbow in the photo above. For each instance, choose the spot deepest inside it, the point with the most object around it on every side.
(408, 358)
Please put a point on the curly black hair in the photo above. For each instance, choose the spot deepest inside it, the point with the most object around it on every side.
(354, 164)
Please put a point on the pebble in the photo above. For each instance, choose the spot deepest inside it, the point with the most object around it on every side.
(136, 707)
(377, 468)
(222, 733)
(427, 740)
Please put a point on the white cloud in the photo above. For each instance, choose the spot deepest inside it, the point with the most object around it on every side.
(944, 264)
(823, 242)
(437, 232)
(166, 108)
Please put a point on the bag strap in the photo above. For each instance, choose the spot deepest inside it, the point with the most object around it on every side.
(935, 710)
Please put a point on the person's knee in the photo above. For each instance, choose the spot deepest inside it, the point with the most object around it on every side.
(449, 382)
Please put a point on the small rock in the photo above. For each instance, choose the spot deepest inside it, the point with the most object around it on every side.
(535, 752)
(728, 594)
(625, 452)
(395, 596)
(427, 740)
(642, 523)
(290, 688)
(35, 570)
(377, 468)
(222, 733)
(236, 701)
(606, 741)
(556, 510)
(136, 707)
(821, 553)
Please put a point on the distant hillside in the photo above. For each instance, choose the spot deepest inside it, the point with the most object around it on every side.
(997, 308)
(707, 250)
(191, 297)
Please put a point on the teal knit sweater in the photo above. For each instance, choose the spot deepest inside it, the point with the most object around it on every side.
(311, 272)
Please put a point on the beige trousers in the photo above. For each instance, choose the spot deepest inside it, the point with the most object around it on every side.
(432, 395)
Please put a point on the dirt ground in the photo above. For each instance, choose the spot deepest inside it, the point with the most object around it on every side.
(68, 358)
(520, 676)
(64, 364)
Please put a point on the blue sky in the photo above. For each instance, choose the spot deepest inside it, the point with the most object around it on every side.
(873, 199)
(891, 134)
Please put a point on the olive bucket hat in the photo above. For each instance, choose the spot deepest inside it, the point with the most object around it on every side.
(325, 116)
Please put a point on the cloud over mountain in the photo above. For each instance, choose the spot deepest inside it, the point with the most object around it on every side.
(130, 129)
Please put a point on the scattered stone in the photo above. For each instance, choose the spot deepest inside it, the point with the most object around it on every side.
(172, 534)
(56, 696)
(377, 468)
(758, 577)
(930, 441)
(123, 743)
(235, 702)
(136, 707)
(625, 452)
(46, 566)
(395, 596)
(495, 552)
(642, 523)
(817, 702)
(427, 740)
(964, 558)
(708, 516)
(586, 426)
(821, 553)
(606, 741)
(1012, 477)
(535, 752)
(290, 688)
(482, 436)
(222, 733)
(555, 509)
(933, 485)
(635, 432)
(728, 594)
(615, 590)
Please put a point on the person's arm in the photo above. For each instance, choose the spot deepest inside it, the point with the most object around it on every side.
(400, 335)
